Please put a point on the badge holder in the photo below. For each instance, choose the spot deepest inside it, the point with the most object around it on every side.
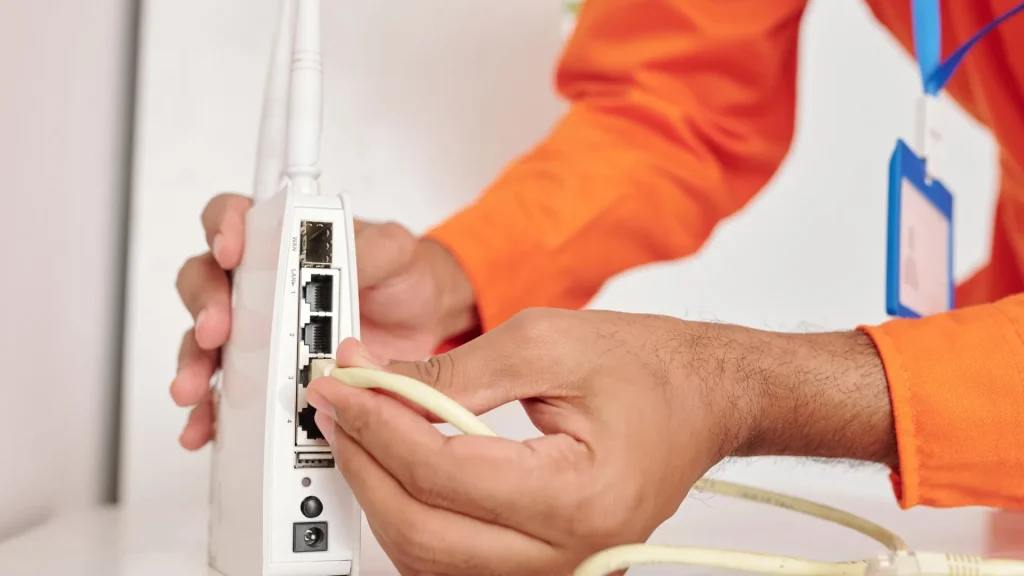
(919, 259)
(920, 239)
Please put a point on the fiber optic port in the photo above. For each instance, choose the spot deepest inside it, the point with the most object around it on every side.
(314, 460)
(308, 425)
(317, 243)
(318, 292)
(317, 335)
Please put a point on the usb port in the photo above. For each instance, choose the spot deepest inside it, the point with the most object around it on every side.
(318, 292)
(314, 460)
(316, 245)
(317, 335)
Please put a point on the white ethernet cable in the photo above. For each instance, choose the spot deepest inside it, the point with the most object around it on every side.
(900, 561)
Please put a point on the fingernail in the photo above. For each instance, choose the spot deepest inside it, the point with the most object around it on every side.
(218, 244)
(325, 424)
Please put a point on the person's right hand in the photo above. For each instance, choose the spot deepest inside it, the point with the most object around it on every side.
(413, 296)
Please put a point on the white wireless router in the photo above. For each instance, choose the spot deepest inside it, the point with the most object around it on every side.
(279, 507)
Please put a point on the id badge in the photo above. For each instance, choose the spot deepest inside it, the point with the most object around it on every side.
(919, 276)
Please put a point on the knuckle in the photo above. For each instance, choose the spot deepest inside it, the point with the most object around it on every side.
(187, 273)
(536, 324)
(439, 372)
(211, 209)
(397, 238)
(185, 348)
(429, 372)
(359, 422)
(369, 419)
(394, 231)
(423, 483)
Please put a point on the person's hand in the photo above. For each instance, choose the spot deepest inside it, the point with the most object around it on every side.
(413, 295)
(634, 409)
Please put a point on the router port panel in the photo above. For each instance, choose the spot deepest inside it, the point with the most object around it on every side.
(318, 321)
(319, 299)
(311, 327)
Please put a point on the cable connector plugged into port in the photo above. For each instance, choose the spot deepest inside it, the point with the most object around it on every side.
(307, 433)
(318, 368)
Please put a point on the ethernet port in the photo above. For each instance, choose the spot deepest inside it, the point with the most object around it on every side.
(317, 244)
(317, 293)
(317, 335)
(305, 376)
(308, 425)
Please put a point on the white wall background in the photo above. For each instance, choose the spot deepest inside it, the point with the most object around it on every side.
(65, 66)
(424, 107)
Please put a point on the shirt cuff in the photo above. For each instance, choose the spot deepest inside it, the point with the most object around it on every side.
(956, 383)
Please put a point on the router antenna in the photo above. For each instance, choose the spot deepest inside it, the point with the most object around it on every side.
(270, 154)
(306, 101)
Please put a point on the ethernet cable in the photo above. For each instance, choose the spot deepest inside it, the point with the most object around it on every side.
(900, 561)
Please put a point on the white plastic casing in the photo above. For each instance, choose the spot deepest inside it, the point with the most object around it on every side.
(256, 490)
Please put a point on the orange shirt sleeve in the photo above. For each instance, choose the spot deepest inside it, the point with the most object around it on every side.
(680, 112)
(956, 381)
(957, 386)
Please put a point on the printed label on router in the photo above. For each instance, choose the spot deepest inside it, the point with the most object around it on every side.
(920, 239)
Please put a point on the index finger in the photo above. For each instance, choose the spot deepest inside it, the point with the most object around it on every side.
(224, 223)
(496, 480)
(431, 540)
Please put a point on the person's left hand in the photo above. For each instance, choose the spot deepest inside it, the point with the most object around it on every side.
(634, 409)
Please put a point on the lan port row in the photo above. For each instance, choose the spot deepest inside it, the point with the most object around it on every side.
(316, 336)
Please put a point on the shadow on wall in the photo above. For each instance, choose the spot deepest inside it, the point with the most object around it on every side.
(64, 149)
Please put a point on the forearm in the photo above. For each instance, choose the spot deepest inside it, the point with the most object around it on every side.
(826, 397)
(812, 395)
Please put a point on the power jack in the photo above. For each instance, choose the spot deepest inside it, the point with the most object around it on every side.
(309, 537)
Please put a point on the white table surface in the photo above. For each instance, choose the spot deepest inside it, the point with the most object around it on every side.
(164, 540)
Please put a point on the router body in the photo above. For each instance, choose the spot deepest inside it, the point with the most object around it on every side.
(279, 507)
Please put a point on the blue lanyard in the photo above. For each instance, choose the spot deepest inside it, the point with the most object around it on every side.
(905, 297)
(927, 27)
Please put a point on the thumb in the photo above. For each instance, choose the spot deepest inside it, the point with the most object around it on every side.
(469, 374)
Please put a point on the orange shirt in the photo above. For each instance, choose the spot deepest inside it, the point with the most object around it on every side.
(681, 110)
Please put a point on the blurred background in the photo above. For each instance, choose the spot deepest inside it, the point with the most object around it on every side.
(119, 119)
